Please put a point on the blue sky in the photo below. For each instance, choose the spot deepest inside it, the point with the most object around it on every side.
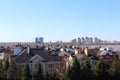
(23, 20)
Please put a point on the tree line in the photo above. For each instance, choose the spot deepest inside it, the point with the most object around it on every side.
(101, 71)
(74, 71)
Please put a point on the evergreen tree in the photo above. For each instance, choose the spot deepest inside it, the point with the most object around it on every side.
(1, 71)
(51, 76)
(76, 70)
(100, 72)
(5, 67)
(68, 73)
(73, 71)
(115, 70)
(86, 70)
(38, 72)
(13, 71)
(26, 72)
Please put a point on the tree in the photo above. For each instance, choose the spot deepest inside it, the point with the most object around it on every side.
(68, 73)
(115, 70)
(38, 72)
(13, 71)
(4, 68)
(74, 71)
(1, 70)
(101, 72)
(51, 76)
(6, 65)
(26, 72)
(86, 70)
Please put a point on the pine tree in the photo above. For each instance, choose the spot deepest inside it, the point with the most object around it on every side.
(54, 76)
(115, 70)
(5, 67)
(68, 73)
(86, 70)
(74, 71)
(1, 71)
(26, 72)
(51, 76)
(13, 71)
(38, 72)
(100, 72)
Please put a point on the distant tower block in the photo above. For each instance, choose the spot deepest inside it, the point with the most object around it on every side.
(36, 40)
(39, 40)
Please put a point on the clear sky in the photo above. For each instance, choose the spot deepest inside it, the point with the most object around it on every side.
(23, 20)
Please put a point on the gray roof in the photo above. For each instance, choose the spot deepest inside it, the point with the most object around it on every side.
(25, 57)
(105, 52)
(62, 53)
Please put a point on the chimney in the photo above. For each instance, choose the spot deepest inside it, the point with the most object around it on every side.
(28, 50)
(86, 51)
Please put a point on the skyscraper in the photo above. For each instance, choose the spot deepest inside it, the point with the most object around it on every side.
(36, 40)
(39, 40)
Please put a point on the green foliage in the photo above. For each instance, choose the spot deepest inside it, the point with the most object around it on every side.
(6, 65)
(76, 69)
(4, 68)
(51, 76)
(13, 71)
(101, 72)
(68, 74)
(1, 71)
(73, 72)
(38, 72)
(26, 73)
(115, 70)
(86, 70)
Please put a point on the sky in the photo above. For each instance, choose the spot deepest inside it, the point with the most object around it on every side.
(55, 20)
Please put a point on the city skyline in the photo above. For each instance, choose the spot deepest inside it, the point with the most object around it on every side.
(23, 20)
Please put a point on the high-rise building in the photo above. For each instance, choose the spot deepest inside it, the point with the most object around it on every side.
(82, 40)
(39, 40)
(74, 41)
(79, 40)
(88, 40)
(36, 40)
(96, 40)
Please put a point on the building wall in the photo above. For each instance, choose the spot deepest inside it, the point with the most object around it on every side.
(46, 66)
(52, 66)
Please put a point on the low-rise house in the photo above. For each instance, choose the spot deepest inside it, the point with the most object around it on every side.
(107, 55)
(31, 56)
(81, 58)
(63, 55)
(5, 54)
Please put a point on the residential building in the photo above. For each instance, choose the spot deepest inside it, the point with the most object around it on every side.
(32, 56)
(107, 55)
(96, 40)
(39, 40)
(79, 40)
(74, 41)
(88, 40)
(17, 50)
(36, 40)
